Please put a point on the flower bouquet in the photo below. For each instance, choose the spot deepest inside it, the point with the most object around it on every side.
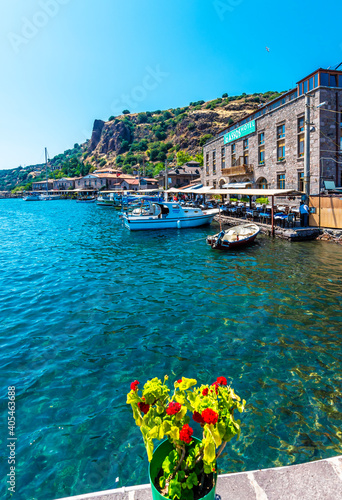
(188, 469)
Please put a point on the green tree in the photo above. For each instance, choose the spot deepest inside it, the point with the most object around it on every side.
(205, 138)
(183, 157)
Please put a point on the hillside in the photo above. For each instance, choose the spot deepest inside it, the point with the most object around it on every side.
(176, 134)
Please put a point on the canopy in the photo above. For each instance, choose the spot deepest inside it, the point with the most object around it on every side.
(236, 185)
(244, 192)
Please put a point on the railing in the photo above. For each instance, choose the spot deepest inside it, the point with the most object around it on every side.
(238, 170)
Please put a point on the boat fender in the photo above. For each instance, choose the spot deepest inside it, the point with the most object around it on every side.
(179, 224)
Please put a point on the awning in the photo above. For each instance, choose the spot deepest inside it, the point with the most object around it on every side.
(236, 185)
(200, 190)
(196, 186)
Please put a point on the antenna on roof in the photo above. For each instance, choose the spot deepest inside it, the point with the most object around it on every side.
(338, 65)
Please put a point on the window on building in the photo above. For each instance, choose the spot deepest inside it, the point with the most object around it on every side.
(300, 136)
(281, 142)
(261, 148)
(245, 151)
(233, 154)
(305, 86)
(262, 183)
(300, 181)
(325, 79)
(341, 132)
(333, 82)
(281, 181)
(223, 157)
(316, 80)
(207, 183)
(207, 163)
(214, 184)
(214, 162)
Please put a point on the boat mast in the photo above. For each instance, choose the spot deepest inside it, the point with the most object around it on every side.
(46, 171)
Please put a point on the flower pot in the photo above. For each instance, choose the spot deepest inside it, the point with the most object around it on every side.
(155, 465)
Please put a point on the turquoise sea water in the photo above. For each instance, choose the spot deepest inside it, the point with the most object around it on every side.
(86, 307)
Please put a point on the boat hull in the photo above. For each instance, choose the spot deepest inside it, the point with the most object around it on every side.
(141, 223)
(221, 242)
(233, 244)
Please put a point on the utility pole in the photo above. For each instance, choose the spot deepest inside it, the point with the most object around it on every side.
(307, 146)
(166, 180)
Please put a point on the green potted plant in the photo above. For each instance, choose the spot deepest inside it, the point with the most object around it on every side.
(184, 467)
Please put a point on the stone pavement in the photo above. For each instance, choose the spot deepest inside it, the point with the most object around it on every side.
(320, 480)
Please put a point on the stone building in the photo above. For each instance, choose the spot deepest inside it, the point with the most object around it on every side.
(181, 176)
(90, 181)
(267, 147)
(64, 184)
(42, 185)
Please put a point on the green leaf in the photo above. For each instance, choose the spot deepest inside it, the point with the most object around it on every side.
(174, 432)
(209, 452)
(162, 482)
(133, 397)
(187, 383)
(181, 413)
(192, 480)
(175, 489)
(216, 435)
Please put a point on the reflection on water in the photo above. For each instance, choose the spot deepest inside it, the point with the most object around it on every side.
(87, 307)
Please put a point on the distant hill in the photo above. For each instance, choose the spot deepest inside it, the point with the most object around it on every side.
(175, 134)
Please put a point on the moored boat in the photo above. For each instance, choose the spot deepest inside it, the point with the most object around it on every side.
(86, 199)
(168, 215)
(234, 237)
(32, 197)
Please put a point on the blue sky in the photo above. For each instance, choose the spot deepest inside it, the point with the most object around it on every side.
(67, 62)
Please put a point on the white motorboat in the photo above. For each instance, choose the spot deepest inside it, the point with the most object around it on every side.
(168, 215)
(50, 197)
(32, 197)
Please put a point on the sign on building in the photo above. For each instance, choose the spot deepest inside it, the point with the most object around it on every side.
(234, 135)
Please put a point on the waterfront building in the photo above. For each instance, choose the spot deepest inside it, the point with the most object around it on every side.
(266, 149)
(64, 184)
(42, 185)
(181, 176)
(90, 181)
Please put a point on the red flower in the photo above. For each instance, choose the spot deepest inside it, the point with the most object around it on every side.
(173, 408)
(205, 392)
(186, 434)
(144, 407)
(198, 417)
(179, 381)
(134, 385)
(209, 416)
(221, 381)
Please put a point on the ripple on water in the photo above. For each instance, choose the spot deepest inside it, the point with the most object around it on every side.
(87, 307)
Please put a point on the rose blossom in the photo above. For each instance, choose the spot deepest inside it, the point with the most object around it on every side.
(209, 416)
(173, 408)
(205, 392)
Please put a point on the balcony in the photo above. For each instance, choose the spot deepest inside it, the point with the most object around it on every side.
(240, 168)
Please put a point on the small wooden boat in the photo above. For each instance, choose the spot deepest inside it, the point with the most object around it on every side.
(234, 237)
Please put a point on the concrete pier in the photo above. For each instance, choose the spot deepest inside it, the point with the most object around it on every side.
(319, 480)
(290, 234)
